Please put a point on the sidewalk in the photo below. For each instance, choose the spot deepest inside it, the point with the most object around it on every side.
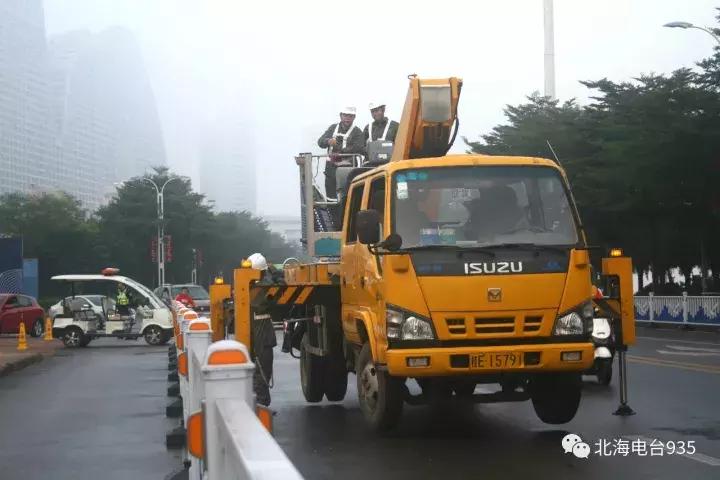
(12, 360)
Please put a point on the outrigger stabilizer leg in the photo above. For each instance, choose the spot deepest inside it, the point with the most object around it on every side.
(623, 409)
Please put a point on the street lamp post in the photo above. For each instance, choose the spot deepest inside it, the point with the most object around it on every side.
(161, 227)
(686, 25)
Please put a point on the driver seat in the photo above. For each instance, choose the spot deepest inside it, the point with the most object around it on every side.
(79, 310)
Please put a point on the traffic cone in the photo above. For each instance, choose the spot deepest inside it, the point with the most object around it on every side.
(22, 339)
(48, 329)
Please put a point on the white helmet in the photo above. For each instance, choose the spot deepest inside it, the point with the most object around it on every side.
(374, 105)
(348, 110)
(257, 261)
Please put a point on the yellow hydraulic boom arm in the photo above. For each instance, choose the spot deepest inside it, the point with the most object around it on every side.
(428, 117)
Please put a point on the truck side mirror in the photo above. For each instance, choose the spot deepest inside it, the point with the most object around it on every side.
(392, 243)
(368, 226)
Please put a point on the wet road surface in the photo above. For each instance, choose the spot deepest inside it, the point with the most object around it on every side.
(90, 413)
(676, 396)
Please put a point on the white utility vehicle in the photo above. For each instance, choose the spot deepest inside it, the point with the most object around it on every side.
(78, 323)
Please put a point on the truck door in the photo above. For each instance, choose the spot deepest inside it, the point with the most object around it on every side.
(370, 294)
(349, 273)
(369, 267)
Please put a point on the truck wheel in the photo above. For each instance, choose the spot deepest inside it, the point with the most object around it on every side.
(336, 377)
(380, 395)
(311, 373)
(556, 397)
(72, 338)
(85, 341)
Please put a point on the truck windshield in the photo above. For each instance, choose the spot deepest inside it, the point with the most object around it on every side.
(482, 206)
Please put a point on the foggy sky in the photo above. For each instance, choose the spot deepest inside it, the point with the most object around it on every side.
(283, 68)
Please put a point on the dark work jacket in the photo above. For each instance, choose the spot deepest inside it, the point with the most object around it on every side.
(262, 330)
(355, 142)
(379, 127)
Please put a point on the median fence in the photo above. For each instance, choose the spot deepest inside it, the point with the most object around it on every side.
(228, 435)
(683, 310)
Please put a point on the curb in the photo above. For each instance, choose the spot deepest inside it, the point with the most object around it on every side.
(8, 368)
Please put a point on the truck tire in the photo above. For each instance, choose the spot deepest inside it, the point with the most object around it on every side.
(556, 397)
(311, 373)
(380, 395)
(336, 377)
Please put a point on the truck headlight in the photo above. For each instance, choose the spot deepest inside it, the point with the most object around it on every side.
(576, 322)
(404, 325)
(415, 328)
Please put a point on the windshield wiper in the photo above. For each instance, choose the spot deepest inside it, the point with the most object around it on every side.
(457, 248)
(534, 246)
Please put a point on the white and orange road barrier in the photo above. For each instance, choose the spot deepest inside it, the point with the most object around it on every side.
(221, 416)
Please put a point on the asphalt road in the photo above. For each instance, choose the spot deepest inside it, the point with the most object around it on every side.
(98, 413)
(674, 388)
(91, 413)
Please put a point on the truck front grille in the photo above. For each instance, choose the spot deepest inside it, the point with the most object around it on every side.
(459, 325)
(494, 325)
(456, 326)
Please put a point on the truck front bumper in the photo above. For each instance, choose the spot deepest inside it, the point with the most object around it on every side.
(463, 360)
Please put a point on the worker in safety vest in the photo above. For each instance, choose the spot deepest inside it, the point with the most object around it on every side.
(340, 138)
(263, 334)
(122, 300)
(381, 128)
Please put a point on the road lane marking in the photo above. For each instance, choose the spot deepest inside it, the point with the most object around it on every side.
(689, 354)
(660, 339)
(698, 457)
(693, 349)
(698, 367)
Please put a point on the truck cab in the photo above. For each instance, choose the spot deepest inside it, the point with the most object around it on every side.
(469, 269)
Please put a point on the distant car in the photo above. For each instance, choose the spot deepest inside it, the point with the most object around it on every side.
(16, 309)
(199, 295)
(94, 301)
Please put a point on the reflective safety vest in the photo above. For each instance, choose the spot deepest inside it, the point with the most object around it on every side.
(122, 299)
(344, 136)
(384, 135)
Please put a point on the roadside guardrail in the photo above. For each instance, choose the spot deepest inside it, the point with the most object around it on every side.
(228, 435)
(679, 310)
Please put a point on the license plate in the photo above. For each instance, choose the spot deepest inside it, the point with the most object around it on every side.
(495, 360)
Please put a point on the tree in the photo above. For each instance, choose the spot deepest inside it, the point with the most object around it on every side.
(56, 231)
(641, 159)
(128, 224)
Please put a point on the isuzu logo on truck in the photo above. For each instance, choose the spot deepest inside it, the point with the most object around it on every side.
(493, 267)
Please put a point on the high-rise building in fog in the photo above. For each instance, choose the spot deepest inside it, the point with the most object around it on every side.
(76, 113)
(110, 130)
(27, 144)
(227, 168)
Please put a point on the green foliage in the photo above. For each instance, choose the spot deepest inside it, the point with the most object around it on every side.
(54, 229)
(641, 158)
(65, 239)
